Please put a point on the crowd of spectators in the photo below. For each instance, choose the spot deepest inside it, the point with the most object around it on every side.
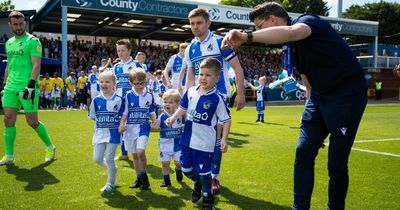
(84, 54)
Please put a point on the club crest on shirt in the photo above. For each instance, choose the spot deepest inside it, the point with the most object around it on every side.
(132, 104)
(147, 104)
(210, 47)
(206, 105)
(178, 121)
(20, 44)
(115, 108)
(99, 107)
(193, 51)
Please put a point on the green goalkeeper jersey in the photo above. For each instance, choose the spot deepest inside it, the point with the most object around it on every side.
(19, 65)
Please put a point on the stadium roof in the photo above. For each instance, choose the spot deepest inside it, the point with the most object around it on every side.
(97, 22)
(157, 20)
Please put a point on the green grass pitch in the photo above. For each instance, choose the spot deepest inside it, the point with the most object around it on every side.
(257, 170)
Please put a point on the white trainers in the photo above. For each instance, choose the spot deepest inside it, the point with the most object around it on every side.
(6, 161)
(108, 188)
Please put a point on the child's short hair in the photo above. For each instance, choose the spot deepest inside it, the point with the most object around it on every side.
(172, 94)
(109, 74)
(125, 42)
(183, 45)
(211, 63)
(137, 74)
(263, 78)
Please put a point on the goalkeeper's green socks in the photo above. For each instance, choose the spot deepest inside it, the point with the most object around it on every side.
(9, 137)
(44, 136)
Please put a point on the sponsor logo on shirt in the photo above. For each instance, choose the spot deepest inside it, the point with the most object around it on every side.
(197, 116)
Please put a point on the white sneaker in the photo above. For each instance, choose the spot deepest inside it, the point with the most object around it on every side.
(108, 188)
(6, 161)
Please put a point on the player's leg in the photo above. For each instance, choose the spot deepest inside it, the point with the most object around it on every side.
(31, 116)
(312, 133)
(142, 161)
(111, 168)
(344, 117)
(11, 105)
(187, 169)
(98, 154)
(204, 159)
(166, 169)
(130, 145)
(262, 111)
(10, 132)
(217, 159)
(178, 167)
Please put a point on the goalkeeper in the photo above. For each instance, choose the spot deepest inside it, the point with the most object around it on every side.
(20, 86)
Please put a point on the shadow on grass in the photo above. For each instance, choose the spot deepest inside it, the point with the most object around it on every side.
(237, 143)
(117, 200)
(36, 177)
(239, 134)
(147, 199)
(243, 202)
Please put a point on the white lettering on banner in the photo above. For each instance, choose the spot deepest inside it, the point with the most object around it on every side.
(121, 4)
(337, 26)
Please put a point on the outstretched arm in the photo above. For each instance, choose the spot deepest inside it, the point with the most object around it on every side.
(271, 35)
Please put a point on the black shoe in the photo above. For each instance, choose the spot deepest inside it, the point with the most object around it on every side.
(166, 183)
(145, 183)
(196, 193)
(136, 184)
(179, 176)
(208, 202)
(262, 121)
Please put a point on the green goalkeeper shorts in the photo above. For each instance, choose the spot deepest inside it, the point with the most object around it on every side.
(10, 99)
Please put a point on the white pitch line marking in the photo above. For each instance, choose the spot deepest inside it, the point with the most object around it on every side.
(376, 152)
(376, 140)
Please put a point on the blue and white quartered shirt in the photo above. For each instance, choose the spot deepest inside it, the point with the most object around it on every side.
(121, 71)
(175, 63)
(138, 108)
(197, 51)
(200, 129)
(169, 135)
(107, 114)
(260, 90)
(93, 80)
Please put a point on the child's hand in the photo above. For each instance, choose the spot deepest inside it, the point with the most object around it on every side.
(154, 125)
(224, 146)
(169, 121)
(121, 128)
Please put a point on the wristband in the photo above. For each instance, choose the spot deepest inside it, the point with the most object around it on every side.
(249, 37)
(31, 83)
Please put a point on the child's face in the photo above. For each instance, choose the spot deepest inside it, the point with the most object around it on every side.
(139, 85)
(170, 105)
(107, 84)
(123, 52)
(207, 78)
(262, 81)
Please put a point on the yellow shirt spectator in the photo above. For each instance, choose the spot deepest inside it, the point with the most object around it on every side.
(70, 82)
(58, 83)
(82, 82)
(48, 84)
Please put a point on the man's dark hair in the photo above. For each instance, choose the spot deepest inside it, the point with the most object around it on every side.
(266, 9)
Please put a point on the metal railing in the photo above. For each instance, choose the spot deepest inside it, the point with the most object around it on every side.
(383, 61)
